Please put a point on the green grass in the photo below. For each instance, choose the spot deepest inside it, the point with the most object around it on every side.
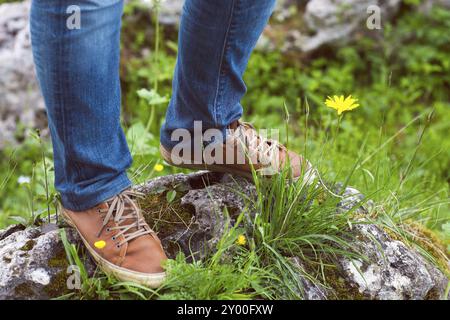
(286, 219)
(291, 221)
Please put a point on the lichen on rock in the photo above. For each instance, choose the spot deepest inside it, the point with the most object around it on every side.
(32, 263)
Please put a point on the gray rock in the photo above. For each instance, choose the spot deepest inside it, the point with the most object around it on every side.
(20, 98)
(205, 196)
(33, 266)
(353, 199)
(310, 290)
(392, 271)
(170, 12)
(33, 263)
(331, 21)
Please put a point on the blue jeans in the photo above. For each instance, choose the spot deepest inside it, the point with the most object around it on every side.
(78, 71)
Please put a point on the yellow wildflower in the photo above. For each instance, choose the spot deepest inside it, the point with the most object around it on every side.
(158, 167)
(100, 244)
(340, 104)
(241, 240)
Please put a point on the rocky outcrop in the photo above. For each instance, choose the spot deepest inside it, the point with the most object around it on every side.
(330, 21)
(204, 197)
(306, 26)
(392, 272)
(192, 219)
(303, 26)
(392, 269)
(33, 263)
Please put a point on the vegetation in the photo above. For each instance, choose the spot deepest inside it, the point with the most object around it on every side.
(394, 148)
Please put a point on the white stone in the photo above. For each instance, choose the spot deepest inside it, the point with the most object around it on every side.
(40, 276)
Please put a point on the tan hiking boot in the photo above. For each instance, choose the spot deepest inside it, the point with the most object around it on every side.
(243, 150)
(120, 241)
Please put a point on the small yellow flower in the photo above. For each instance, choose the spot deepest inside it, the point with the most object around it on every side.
(158, 167)
(100, 244)
(340, 104)
(241, 240)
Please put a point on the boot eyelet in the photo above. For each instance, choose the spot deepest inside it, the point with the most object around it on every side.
(113, 238)
(118, 246)
(108, 229)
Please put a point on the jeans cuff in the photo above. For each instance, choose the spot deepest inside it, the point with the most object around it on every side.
(89, 201)
(168, 144)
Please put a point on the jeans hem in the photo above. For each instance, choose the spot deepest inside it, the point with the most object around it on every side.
(87, 202)
(169, 144)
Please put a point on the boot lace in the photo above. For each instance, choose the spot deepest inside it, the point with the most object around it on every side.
(126, 214)
(258, 148)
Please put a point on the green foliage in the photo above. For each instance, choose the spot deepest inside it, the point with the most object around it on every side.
(396, 78)
(27, 188)
(190, 281)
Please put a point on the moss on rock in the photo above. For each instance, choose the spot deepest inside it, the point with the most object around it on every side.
(58, 285)
(24, 291)
(425, 238)
(28, 245)
(164, 217)
(341, 288)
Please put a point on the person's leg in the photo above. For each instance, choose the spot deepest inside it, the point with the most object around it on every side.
(216, 39)
(78, 71)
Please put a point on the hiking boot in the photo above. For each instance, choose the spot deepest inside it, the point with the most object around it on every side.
(242, 151)
(120, 241)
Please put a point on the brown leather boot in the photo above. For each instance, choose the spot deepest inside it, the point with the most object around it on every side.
(120, 241)
(246, 150)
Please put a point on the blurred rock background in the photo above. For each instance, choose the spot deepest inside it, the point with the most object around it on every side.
(297, 25)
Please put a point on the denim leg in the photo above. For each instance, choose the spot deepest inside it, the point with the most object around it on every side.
(78, 71)
(216, 39)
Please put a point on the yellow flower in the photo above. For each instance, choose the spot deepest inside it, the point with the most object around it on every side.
(100, 244)
(241, 240)
(158, 167)
(341, 104)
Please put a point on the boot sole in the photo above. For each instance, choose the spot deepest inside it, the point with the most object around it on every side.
(214, 168)
(151, 280)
